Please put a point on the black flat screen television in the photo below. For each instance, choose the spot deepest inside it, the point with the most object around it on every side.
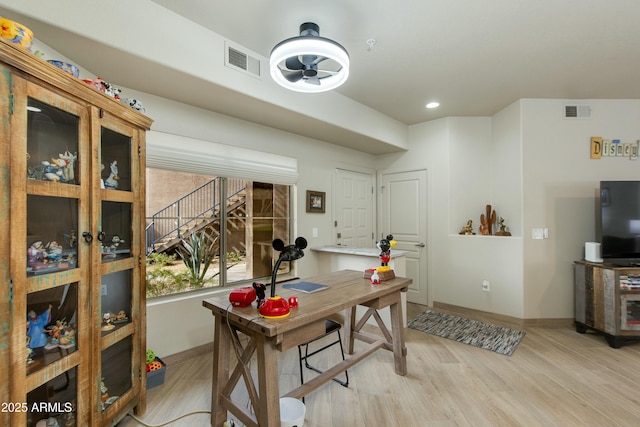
(620, 222)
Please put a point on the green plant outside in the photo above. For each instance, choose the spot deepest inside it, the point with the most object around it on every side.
(163, 277)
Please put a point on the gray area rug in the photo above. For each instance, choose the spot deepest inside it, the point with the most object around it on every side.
(478, 334)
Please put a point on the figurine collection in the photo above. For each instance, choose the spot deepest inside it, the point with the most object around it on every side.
(42, 256)
(486, 225)
(56, 169)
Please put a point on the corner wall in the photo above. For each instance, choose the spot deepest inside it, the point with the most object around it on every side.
(560, 184)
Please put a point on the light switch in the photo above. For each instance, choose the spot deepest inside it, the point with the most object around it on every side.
(537, 233)
(314, 231)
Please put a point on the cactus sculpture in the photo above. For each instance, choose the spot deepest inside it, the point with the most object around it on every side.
(486, 223)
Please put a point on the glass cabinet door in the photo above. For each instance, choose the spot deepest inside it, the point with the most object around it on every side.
(116, 231)
(119, 223)
(115, 155)
(51, 269)
(52, 143)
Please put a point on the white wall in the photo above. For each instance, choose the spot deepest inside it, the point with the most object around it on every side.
(560, 187)
(459, 154)
(541, 176)
(183, 318)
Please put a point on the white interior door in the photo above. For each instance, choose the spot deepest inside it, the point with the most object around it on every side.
(404, 215)
(354, 208)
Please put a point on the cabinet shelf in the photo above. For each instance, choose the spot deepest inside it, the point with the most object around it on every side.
(57, 367)
(603, 306)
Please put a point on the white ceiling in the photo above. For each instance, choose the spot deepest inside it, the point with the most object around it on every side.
(474, 57)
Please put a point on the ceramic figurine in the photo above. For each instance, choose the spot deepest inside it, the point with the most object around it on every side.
(71, 238)
(104, 393)
(35, 327)
(385, 246)
(54, 251)
(134, 103)
(503, 229)
(375, 278)
(107, 322)
(69, 419)
(112, 181)
(67, 336)
(468, 229)
(111, 90)
(121, 316)
(486, 222)
(260, 292)
(48, 422)
(101, 179)
(54, 331)
(69, 161)
(36, 255)
(30, 352)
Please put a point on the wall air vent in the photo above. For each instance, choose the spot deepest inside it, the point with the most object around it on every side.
(239, 60)
(577, 112)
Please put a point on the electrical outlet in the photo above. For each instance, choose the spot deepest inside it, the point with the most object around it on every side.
(486, 286)
(314, 231)
(104, 289)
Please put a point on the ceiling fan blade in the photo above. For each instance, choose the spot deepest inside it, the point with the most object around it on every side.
(292, 76)
(313, 80)
(319, 59)
(330, 72)
(293, 63)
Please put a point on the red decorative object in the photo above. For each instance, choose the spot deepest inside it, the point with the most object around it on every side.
(242, 297)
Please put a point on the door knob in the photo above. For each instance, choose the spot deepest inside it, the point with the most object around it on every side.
(88, 237)
(420, 245)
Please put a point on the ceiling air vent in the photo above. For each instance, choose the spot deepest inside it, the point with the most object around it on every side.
(239, 60)
(577, 112)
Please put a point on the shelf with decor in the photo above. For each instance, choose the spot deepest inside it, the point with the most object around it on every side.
(74, 247)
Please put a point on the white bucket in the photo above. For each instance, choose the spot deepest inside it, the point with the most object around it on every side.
(291, 412)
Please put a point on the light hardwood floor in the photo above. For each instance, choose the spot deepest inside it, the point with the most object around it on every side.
(556, 377)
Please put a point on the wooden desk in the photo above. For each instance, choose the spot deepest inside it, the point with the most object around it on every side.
(347, 289)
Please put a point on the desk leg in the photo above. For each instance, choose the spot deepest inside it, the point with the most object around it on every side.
(397, 331)
(221, 353)
(268, 413)
(349, 325)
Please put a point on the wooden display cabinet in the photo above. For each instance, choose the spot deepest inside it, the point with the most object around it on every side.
(607, 300)
(72, 246)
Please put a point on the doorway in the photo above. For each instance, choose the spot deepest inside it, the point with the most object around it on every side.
(354, 209)
(403, 213)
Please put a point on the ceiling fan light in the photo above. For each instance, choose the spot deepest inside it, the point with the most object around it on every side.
(312, 46)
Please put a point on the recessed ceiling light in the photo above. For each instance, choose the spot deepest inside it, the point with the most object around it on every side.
(433, 105)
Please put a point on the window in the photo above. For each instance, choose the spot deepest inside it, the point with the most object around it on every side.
(231, 216)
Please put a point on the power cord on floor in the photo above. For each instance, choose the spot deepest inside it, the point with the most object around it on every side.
(229, 423)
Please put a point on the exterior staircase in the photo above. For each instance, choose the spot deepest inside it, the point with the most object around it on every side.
(198, 210)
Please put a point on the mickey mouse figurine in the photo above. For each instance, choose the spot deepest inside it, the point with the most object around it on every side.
(260, 292)
(385, 246)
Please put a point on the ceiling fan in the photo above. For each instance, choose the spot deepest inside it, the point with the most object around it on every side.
(309, 63)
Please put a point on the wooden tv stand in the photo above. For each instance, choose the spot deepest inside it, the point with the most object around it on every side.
(607, 300)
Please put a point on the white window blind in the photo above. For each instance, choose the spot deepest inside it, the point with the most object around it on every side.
(185, 154)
